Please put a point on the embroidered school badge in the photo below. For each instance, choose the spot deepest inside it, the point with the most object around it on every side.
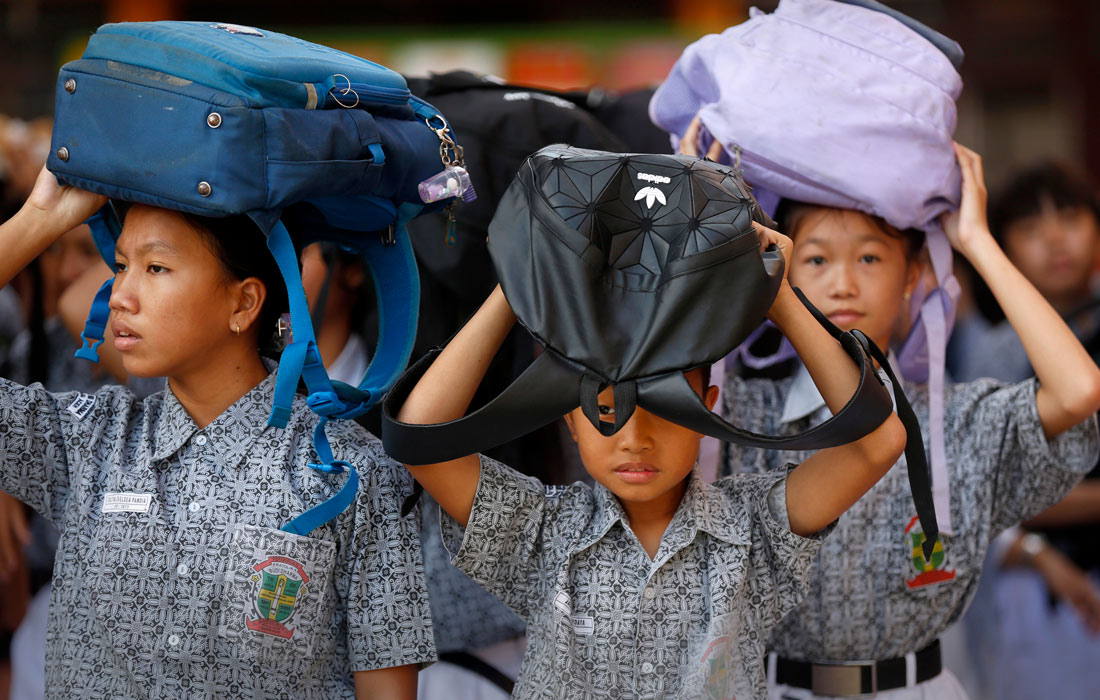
(928, 572)
(279, 582)
(716, 667)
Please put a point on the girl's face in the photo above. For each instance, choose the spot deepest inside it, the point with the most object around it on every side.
(854, 272)
(1056, 250)
(174, 308)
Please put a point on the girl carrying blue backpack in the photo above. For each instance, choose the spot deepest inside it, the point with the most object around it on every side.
(173, 578)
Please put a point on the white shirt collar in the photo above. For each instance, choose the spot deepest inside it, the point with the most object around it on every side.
(804, 399)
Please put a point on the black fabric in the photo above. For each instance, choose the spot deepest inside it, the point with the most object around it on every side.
(499, 125)
(628, 269)
(890, 672)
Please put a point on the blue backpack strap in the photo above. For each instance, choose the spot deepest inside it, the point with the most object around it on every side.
(397, 289)
(106, 229)
(300, 359)
(330, 509)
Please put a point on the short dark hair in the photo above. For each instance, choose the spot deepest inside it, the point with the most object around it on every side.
(1023, 196)
(790, 213)
(242, 249)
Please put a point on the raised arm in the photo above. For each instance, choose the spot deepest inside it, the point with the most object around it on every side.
(444, 393)
(825, 485)
(50, 211)
(1069, 380)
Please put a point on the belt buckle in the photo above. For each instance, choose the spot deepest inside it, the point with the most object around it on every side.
(843, 680)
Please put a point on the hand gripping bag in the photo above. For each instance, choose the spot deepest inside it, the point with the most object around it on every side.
(844, 104)
(219, 119)
(630, 269)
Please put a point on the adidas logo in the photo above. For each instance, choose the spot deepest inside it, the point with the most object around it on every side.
(651, 194)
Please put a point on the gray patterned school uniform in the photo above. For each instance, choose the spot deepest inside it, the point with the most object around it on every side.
(465, 616)
(872, 596)
(606, 621)
(172, 577)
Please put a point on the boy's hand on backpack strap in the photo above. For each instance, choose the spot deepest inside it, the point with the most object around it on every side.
(66, 206)
(769, 237)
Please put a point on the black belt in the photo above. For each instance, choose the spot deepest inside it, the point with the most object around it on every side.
(855, 679)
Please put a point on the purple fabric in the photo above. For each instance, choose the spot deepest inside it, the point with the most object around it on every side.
(842, 106)
(825, 99)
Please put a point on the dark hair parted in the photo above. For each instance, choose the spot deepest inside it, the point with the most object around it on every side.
(1025, 194)
(790, 214)
(242, 249)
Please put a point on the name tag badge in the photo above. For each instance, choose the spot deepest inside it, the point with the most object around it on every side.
(561, 602)
(583, 625)
(127, 502)
(81, 406)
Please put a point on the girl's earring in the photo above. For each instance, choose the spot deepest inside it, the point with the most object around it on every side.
(237, 329)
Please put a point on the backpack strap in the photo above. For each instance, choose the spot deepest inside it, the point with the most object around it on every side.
(544, 392)
(552, 386)
(106, 229)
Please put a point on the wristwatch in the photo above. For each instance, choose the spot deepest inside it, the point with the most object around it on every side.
(1031, 544)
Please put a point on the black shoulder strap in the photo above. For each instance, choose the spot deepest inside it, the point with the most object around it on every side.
(672, 397)
(547, 390)
(552, 386)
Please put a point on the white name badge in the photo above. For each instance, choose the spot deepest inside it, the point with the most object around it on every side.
(583, 625)
(127, 502)
(561, 602)
(81, 406)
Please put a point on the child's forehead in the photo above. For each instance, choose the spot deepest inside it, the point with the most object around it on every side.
(154, 229)
(840, 227)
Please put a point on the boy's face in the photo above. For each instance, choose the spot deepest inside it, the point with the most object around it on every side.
(1056, 250)
(646, 462)
(852, 271)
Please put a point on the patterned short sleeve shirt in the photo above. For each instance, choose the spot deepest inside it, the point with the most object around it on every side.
(173, 579)
(872, 596)
(606, 621)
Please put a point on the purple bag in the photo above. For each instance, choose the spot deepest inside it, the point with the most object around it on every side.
(820, 102)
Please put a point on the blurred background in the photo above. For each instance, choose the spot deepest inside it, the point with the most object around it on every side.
(1030, 71)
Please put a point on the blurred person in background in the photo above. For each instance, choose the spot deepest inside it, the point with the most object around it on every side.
(1034, 629)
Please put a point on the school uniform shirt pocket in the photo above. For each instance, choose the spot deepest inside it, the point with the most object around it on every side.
(276, 594)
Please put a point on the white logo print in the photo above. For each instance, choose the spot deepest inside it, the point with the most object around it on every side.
(650, 194)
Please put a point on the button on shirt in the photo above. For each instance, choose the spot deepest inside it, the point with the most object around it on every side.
(871, 595)
(173, 579)
(566, 561)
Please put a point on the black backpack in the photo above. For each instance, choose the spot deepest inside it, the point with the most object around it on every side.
(630, 269)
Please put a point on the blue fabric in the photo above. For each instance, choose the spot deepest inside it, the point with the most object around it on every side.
(219, 120)
(270, 70)
(320, 514)
(96, 325)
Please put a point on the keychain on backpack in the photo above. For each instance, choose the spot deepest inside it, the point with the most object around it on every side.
(452, 181)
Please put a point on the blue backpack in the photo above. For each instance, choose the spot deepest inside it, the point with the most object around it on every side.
(218, 120)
